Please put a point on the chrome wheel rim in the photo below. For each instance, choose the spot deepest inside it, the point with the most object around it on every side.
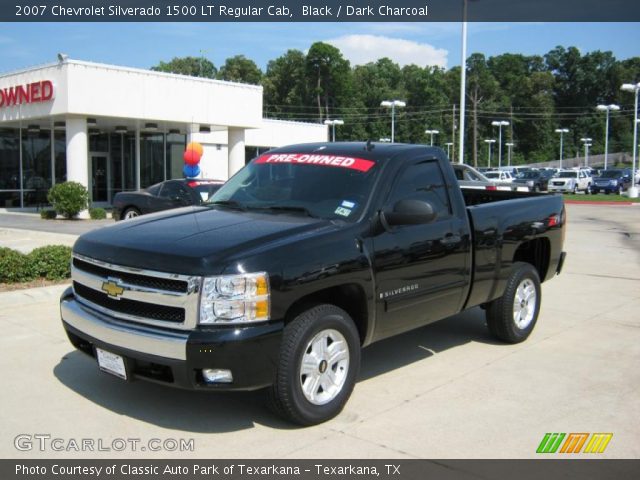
(524, 304)
(324, 367)
(130, 214)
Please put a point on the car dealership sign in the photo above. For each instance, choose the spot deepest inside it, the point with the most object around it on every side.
(35, 92)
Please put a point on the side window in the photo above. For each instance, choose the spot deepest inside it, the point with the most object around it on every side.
(422, 181)
(173, 190)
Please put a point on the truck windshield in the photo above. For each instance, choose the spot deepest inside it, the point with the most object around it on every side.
(611, 174)
(323, 191)
(568, 175)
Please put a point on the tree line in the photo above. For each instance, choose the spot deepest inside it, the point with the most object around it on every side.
(536, 94)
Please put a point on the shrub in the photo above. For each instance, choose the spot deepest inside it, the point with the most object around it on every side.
(52, 262)
(97, 213)
(48, 214)
(14, 266)
(68, 198)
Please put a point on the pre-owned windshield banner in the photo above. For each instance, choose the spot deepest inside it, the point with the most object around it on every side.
(353, 163)
(321, 11)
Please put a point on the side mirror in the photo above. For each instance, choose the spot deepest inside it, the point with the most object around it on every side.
(409, 212)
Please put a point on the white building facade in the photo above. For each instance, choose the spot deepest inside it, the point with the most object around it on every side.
(115, 129)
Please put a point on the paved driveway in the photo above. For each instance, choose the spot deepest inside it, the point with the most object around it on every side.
(443, 391)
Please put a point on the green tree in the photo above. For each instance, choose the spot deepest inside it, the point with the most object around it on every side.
(240, 69)
(284, 84)
(192, 66)
(329, 73)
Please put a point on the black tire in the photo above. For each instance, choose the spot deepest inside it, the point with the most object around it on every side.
(620, 189)
(130, 212)
(587, 191)
(286, 397)
(575, 189)
(500, 313)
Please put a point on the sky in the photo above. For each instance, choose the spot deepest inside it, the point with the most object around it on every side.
(145, 44)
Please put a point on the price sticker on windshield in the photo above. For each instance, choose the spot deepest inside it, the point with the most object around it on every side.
(352, 163)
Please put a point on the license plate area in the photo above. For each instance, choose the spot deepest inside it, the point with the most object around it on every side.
(111, 363)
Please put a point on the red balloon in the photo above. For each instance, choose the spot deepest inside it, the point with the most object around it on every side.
(191, 157)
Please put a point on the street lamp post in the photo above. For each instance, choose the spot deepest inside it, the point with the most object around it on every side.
(449, 145)
(630, 87)
(490, 143)
(587, 144)
(561, 131)
(432, 133)
(500, 124)
(509, 147)
(608, 109)
(392, 104)
(333, 124)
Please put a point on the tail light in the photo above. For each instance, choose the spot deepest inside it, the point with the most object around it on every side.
(491, 187)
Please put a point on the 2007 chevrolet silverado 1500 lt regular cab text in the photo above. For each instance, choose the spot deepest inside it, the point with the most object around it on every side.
(306, 255)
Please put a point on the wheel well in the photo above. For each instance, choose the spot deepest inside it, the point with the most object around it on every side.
(350, 297)
(537, 253)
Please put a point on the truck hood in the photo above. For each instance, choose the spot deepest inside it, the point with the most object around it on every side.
(195, 240)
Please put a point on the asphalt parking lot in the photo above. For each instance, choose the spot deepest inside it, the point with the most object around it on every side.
(443, 391)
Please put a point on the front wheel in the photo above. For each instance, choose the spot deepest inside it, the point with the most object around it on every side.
(318, 366)
(130, 212)
(511, 318)
(575, 189)
(587, 190)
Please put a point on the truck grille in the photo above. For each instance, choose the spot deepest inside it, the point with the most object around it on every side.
(135, 295)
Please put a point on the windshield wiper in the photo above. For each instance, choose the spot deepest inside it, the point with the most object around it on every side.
(228, 203)
(287, 208)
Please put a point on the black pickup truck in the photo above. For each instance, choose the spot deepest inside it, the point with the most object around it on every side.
(306, 255)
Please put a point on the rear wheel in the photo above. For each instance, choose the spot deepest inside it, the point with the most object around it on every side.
(511, 318)
(130, 212)
(318, 366)
(575, 189)
(587, 191)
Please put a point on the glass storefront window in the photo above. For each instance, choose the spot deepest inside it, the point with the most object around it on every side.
(151, 159)
(176, 143)
(60, 152)
(9, 168)
(36, 167)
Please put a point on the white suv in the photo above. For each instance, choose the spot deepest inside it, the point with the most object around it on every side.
(571, 181)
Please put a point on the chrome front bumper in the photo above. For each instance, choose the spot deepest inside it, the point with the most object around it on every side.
(139, 338)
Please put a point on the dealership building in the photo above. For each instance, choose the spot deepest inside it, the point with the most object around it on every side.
(115, 128)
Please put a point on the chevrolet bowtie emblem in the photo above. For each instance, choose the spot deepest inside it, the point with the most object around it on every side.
(112, 289)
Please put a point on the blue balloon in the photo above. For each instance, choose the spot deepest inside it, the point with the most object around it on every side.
(191, 171)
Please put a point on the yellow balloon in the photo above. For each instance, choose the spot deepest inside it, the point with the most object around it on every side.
(196, 147)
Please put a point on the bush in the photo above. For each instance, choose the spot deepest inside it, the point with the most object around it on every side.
(48, 214)
(14, 266)
(97, 213)
(68, 198)
(52, 262)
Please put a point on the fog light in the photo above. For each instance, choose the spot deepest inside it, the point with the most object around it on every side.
(216, 375)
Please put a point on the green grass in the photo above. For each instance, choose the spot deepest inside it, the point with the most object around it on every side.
(601, 197)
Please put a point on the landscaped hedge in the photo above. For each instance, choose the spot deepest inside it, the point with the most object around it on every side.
(97, 213)
(52, 262)
(68, 198)
(48, 214)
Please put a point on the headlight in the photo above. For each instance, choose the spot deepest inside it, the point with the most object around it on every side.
(529, 183)
(240, 298)
(614, 182)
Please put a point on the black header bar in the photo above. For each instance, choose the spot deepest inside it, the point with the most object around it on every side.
(319, 11)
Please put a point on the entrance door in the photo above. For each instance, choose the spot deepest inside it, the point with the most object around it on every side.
(100, 176)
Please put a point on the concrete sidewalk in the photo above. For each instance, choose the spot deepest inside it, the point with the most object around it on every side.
(26, 240)
(447, 390)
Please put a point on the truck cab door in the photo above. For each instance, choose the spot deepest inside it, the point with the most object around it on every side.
(421, 270)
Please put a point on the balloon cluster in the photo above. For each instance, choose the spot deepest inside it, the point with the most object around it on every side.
(192, 156)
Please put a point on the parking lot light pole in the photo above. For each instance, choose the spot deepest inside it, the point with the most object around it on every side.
(392, 104)
(449, 145)
(333, 124)
(509, 147)
(587, 144)
(608, 109)
(630, 87)
(432, 133)
(561, 131)
(490, 143)
(500, 124)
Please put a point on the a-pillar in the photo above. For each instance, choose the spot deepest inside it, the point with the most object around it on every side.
(77, 154)
(236, 150)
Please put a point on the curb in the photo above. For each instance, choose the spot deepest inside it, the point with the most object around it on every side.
(592, 202)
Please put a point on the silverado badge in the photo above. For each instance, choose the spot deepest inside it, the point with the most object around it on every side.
(112, 288)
